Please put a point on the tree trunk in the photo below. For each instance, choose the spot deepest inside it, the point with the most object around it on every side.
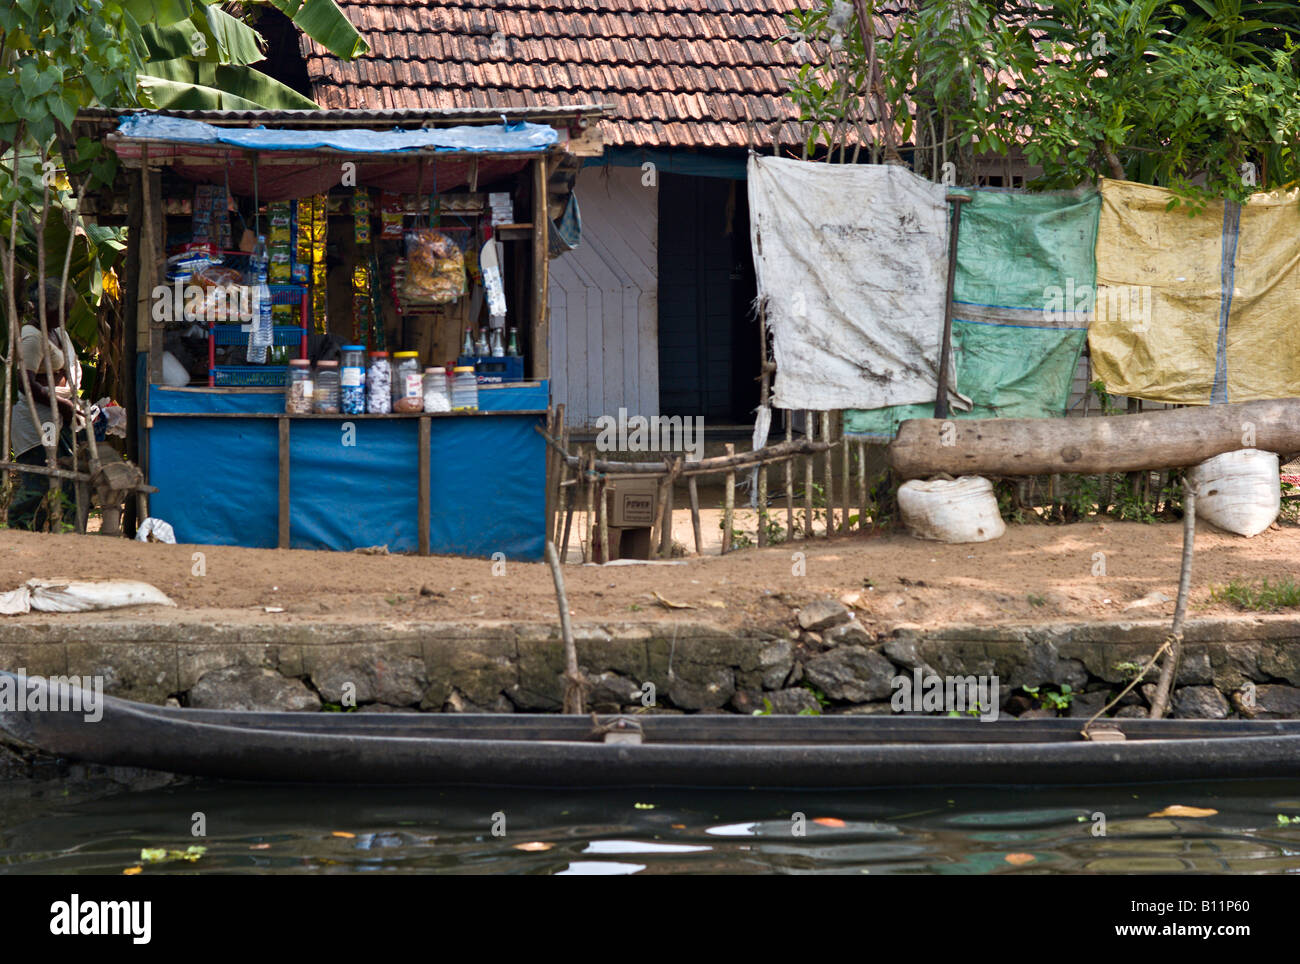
(1166, 439)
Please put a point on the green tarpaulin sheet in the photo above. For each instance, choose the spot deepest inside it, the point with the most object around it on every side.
(1022, 300)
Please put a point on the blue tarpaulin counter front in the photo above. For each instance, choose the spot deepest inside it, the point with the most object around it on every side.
(352, 481)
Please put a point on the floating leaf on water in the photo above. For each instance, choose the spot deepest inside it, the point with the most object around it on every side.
(644, 806)
(191, 853)
(153, 855)
(1178, 810)
(682, 826)
(132, 871)
(829, 822)
(344, 834)
(1019, 860)
(259, 846)
(534, 846)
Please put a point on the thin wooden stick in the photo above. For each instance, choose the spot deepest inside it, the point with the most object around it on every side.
(604, 522)
(846, 476)
(729, 503)
(1166, 683)
(575, 683)
(810, 428)
(863, 491)
(789, 481)
(830, 476)
(588, 524)
(695, 515)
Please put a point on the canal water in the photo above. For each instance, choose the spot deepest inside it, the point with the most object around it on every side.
(85, 822)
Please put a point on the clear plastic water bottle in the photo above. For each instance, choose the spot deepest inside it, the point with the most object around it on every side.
(262, 335)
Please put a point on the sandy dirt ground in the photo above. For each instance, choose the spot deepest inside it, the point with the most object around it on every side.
(1035, 573)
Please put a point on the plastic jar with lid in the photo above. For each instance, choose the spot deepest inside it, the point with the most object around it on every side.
(436, 396)
(352, 380)
(298, 388)
(464, 390)
(379, 384)
(408, 385)
(326, 401)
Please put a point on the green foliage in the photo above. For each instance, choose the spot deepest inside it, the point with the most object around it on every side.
(1049, 700)
(1260, 596)
(1203, 97)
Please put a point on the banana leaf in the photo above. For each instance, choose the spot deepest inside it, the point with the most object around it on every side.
(225, 40)
(186, 85)
(325, 23)
(160, 13)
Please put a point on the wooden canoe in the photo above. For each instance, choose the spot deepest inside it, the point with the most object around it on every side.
(674, 750)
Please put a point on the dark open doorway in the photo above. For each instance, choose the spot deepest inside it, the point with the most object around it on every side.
(708, 340)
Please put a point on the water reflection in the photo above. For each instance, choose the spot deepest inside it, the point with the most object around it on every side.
(95, 826)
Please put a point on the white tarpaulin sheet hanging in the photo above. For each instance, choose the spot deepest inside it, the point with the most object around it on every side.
(852, 261)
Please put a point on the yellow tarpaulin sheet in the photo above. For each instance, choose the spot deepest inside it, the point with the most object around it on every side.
(1201, 309)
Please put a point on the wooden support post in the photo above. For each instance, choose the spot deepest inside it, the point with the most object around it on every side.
(789, 482)
(846, 477)
(425, 494)
(541, 276)
(695, 515)
(604, 522)
(666, 518)
(809, 426)
(572, 500)
(830, 475)
(729, 505)
(945, 349)
(864, 492)
(762, 505)
(588, 525)
(130, 338)
(283, 541)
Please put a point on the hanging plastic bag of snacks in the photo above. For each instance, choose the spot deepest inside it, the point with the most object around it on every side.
(435, 267)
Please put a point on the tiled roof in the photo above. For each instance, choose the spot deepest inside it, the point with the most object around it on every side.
(677, 73)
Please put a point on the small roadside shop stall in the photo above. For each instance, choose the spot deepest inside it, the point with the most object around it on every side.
(319, 296)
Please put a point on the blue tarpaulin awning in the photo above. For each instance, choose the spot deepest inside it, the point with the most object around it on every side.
(516, 137)
(422, 159)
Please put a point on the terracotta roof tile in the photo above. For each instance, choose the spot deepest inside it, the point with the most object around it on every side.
(677, 73)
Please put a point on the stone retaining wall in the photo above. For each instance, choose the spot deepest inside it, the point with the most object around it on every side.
(827, 663)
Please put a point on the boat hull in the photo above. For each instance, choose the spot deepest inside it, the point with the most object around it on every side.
(677, 750)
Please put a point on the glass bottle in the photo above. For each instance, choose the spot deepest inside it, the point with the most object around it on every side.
(379, 384)
(512, 349)
(353, 380)
(298, 389)
(481, 347)
(436, 396)
(498, 350)
(467, 346)
(326, 401)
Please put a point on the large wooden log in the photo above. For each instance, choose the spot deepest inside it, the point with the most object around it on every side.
(1089, 446)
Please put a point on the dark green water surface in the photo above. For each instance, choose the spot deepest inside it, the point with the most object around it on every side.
(87, 823)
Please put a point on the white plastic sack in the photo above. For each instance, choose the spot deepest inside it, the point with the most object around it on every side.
(75, 596)
(155, 530)
(1238, 491)
(960, 510)
(852, 266)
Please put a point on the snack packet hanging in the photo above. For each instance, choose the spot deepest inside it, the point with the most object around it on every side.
(435, 267)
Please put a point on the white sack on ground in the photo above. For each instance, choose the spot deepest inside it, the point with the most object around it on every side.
(76, 596)
(1238, 491)
(155, 530)
(957, 510)
(852, 264)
